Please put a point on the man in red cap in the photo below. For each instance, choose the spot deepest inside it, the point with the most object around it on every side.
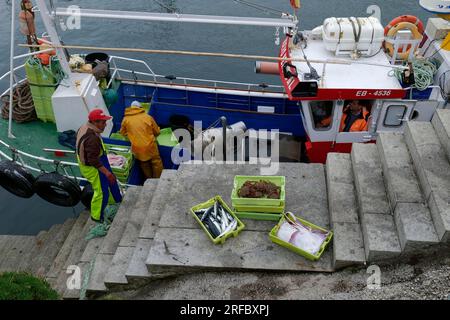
(94, 164)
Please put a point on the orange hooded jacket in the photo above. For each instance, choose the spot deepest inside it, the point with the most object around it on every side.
(142, 131)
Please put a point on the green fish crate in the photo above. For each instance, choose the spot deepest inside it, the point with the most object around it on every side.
(122, 173)
(255, 204)
(274, 238)
(210, 203)
(167, 138)
(259, 216)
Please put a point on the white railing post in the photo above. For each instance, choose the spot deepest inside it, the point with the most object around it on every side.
(11, 68)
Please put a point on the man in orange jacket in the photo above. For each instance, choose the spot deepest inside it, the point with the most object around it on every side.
(142, 131)
(355, 118)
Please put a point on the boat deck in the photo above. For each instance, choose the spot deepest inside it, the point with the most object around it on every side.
(347, 76)
(32, 138)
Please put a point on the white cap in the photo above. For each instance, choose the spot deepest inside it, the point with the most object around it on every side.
(136, 104)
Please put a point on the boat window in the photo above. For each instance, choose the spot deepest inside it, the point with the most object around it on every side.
(356, 116)
(394, 115)
(322, 114)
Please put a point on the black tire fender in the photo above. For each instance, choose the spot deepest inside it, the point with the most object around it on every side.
(87, 195)
(58, 189)
(16, 179)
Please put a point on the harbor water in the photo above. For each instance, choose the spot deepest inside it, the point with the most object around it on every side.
(28, 217)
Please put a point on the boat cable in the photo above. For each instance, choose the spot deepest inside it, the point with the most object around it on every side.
(222, 55)
(424, 71)
(23, 106)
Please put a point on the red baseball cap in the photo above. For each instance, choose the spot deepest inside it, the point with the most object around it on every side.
(97, 115)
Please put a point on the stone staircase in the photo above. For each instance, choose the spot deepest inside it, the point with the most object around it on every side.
(33, 254)
(391, 201)
(385, 202)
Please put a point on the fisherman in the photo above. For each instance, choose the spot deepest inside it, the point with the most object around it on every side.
(355, 117)
(94, 164)
(142, 131)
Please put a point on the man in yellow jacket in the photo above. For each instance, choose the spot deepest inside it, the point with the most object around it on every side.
(142, 131)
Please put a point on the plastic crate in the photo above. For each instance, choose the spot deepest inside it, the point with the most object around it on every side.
(208, 204)
(273, 204)
(118, 136)
(261, 209)
(259, 216)
(274, 238)
(122, 174)
(44, 109)
(167, 138)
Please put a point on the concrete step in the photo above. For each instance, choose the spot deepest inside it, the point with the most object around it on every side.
(14, 251)
(74, 257)
(369, 182)
(190, 250)
(441, 123)
(348, 245)
(415, 226)
(25, 264)
(115, 233)
(137, 270)
(115, 275)
(52, 248)
(5, 243)
(36, 263)
(140, 212)
(381, 241)
(60, 261)
(433, 170)
(100, 251)
(96, 284)
(400, 177)
(151, 221)
(181, 246)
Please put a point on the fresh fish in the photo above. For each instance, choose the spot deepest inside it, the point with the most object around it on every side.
(230, 228)
(207, 213)
(212, 227)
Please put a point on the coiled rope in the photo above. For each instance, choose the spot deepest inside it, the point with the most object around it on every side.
(23, 106)
(424, 71)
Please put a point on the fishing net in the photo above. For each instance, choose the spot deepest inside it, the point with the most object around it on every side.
(101, 229)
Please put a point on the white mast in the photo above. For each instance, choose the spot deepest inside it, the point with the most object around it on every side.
(11, 68)
(48, 20)
(286, 21)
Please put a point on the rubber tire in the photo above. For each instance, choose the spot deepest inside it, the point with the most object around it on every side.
(16, 179)
(87, 195)
(57, 189)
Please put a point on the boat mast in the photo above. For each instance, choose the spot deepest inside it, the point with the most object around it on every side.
(11, 69)
(287, 21)
(48, 19)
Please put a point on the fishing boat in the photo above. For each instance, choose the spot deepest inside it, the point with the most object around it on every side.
(397, 72)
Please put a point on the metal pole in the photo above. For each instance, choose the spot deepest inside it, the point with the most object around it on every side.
(224, 137)
(48, 20)
(11, 68)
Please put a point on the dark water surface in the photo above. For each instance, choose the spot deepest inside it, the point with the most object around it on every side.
(18, 216)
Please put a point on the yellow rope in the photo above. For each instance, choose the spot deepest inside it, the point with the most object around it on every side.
(193, 53)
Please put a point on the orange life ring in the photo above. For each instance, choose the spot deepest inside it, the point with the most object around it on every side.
(407, 18)
(401, 23)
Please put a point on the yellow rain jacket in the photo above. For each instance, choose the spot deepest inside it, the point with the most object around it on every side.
(142, 131)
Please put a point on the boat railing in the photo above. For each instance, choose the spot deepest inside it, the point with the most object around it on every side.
(402, 46)
(170, 79)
